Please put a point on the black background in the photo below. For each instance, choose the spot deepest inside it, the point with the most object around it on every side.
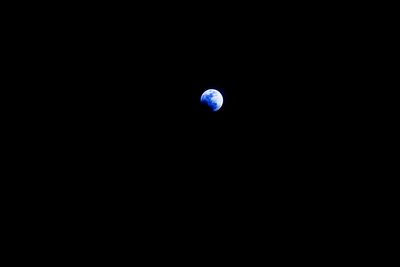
(130, 87)
(126, 90)
(121, 127)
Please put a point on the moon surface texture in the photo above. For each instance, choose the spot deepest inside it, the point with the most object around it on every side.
(213, 99)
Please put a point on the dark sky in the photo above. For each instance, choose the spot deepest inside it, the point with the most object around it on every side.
(133, 90)
(125, 140)
(284, 110)
(124, 94)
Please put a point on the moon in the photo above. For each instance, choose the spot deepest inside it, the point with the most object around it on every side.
(213, 99)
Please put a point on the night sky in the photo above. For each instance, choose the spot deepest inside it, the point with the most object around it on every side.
(133, 138)
(282, 118)
(133, 100)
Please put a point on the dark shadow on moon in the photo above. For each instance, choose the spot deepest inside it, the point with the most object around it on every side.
(205, 108)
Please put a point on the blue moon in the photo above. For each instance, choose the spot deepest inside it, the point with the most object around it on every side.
(213, 99)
